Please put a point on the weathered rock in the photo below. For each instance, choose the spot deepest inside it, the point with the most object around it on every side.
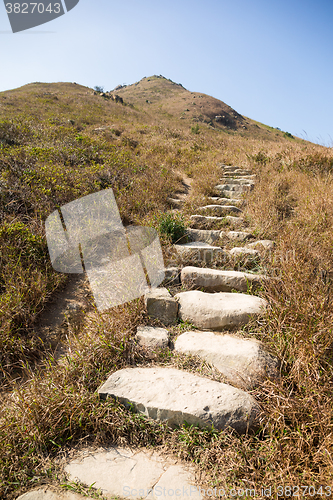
(234, 220)
(176, 397)
(203, 235)
(226, 201)
(243, 251)
(152, 337)
(215, 280)
(244, 362)
(175, 202)
(240, 181)
(234, 188)
(47, 493)
(236, 235)
(171, 276)
(218, 311)
(206, 218)
(200, 251)
(221, 209)
(160, 305)
(134, 474)
(262, 245)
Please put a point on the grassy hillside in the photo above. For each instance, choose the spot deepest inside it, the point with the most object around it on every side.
(61, 141)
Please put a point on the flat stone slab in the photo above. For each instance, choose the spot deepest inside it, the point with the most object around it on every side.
(218, 311)
(225, 201)
(235, 187)
(221, 209)
(240, 181)
(203, 235)
(244, 251)
(200, 251)
(262, 245)
(215, 280)
(134, 474)
(243, 362)
(175, 396)
(152, 337)
(161, 305)
(206, 218)
(237, 235)
(46, 493)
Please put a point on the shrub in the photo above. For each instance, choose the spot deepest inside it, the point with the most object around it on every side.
(172, 226)
(99, 88)
(195, 129)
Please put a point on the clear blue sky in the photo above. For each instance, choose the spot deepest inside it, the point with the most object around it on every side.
(271, 60)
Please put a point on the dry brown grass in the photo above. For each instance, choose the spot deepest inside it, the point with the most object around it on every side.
(55, 406)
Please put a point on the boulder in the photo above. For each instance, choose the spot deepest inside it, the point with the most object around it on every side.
(218, 311)
(160, 305)
(152, 337)
(244, 362)
(215, 280)
(175, 396)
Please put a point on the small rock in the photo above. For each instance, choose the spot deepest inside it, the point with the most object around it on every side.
(160, 305)
(171, 276)
(217, 311)
(152, 337)
(175, 396)
(243, 362)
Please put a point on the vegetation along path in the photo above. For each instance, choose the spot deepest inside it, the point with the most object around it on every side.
(216, 383)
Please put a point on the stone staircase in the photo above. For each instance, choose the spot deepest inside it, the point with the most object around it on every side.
(176, 396)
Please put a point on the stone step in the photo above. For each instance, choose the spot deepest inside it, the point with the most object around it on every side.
(175, 202)
(48, 493)
(221, 209)
(152, 337)
(244, 252)
(244, 362)
(175, 396)
(236, 235)
(203, 235)
(234, 188)
(201, 252)
(226, 201)
(238, 182)
(218, 311)
(262, 245)
(215, 280)
(132, 473)
(210, 218)
(161, 305)
(233, 175)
